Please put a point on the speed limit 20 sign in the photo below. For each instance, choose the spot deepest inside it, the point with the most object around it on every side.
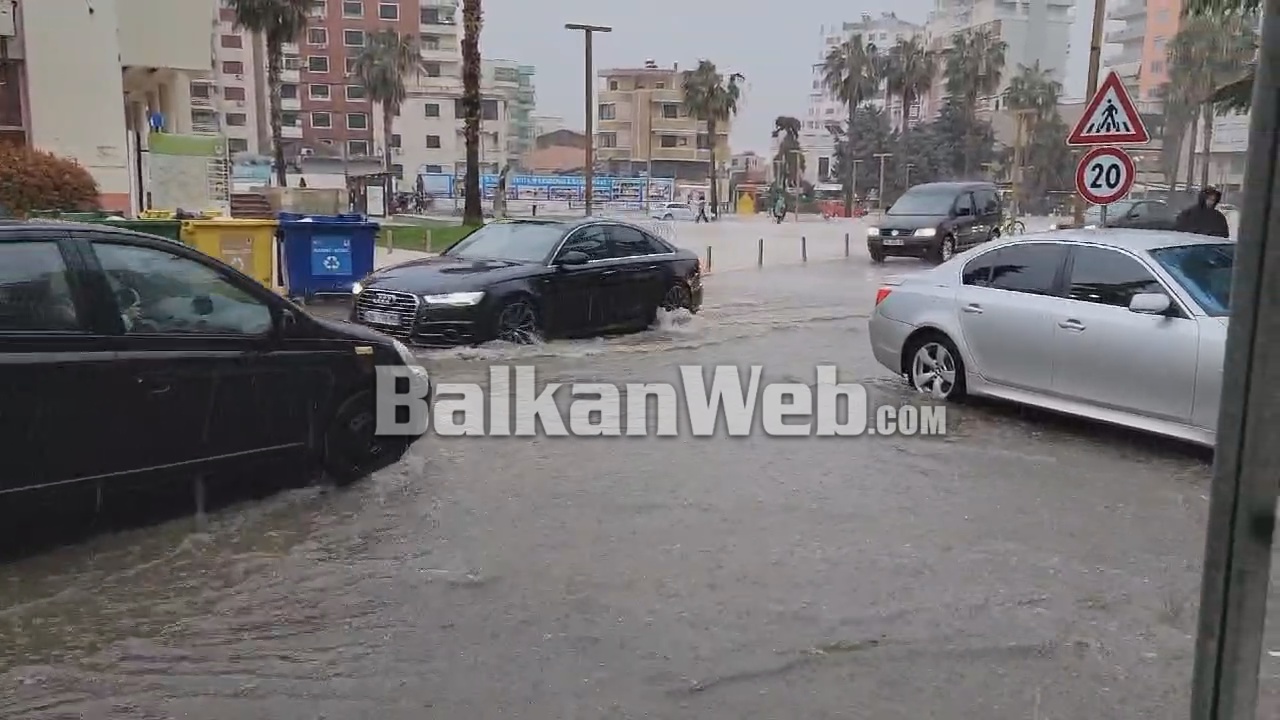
(1105, 175)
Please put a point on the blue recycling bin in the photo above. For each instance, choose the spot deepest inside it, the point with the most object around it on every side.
(325, 254)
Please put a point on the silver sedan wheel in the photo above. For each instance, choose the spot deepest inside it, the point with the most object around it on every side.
(933, 370)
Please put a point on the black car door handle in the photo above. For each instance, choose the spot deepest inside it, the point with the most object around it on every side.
(607, 273)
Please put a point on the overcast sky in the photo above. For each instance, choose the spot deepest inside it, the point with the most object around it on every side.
(772, 44)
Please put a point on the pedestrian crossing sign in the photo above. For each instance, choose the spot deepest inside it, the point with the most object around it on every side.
(1110, 118)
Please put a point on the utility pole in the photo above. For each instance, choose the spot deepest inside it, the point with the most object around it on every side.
(648, 144)
(854, 183)
(880, 198)
(907, 180)
(588, 170)
(1242, 499)
(1095, 60)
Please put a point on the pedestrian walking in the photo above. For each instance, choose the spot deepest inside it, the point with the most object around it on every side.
(780, 208)
(702, 210)
(1204, 218)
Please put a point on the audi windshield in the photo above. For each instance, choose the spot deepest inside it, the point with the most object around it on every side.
(519, 241)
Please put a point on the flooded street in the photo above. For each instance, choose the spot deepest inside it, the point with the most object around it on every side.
(1023, 566)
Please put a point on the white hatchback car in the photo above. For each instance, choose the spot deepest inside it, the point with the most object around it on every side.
(672, 211)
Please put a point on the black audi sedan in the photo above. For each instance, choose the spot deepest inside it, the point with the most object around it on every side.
(523, 280)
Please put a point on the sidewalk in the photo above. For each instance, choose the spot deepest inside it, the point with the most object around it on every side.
(385, 258)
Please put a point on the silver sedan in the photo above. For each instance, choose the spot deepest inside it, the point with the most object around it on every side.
(1121, 326)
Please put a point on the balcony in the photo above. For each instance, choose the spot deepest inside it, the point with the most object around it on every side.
(291, 76)
(202, 102)
(1127, 69)
(688, 154)
(1129, 10)
(291, 103)
(441, 54)
(291, 132)
(1129, 33)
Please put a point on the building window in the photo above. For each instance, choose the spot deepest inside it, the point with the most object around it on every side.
(353, 38)
(352, 8)
(318, 92)
(667, 141)
(704, 142)
(1157, 67)
(670, 111)
(395, 140)
(317, 36)
(431, 69)
(234, 93)
(356, 92)
(319, 8)
(613, 84)
(289, 118)
(488, 109)
(436, 16)
(292, 62)
(608, 140)
(350, 65)
(432, 169)
(201, 90)
(432, 110)
(608, 111)
(237, 119)
(288, 91)
(357, 148)
(388, 11)
(659, 86)
(429, 42)
(318, 64)
(233, 67)
(357, 121)
(237, 145)
(398, 170)
(824, 168)
(232, 41)
(321, 120)
(433, 142)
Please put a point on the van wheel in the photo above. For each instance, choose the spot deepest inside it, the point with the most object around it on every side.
(352, 448)
(877, 256)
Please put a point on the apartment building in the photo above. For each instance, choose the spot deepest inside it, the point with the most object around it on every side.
(641, 121)
(515, 83)
(879, 33)
(1034, 31)
(232, 101)
(121, 76)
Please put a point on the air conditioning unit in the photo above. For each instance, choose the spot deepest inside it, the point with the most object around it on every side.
(239, 103)
(306, 152)
(239, 77)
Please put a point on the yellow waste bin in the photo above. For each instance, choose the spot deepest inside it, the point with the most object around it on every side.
(246, 245)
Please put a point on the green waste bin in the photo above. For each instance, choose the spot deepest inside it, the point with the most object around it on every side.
(169, 229)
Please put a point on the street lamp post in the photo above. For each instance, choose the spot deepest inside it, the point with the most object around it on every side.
(880, 198)
(588, 169)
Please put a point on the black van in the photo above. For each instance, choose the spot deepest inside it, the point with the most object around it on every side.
(127, 358)
(934, 221)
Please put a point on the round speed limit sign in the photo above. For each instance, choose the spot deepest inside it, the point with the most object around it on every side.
(1105, 175)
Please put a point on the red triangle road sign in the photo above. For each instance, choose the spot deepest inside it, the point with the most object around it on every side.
(1110, 118)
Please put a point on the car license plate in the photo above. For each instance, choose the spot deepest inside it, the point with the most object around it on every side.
(893, 241)
(380, 318)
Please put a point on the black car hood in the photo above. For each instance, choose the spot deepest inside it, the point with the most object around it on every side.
(912, 222)
(445, 274)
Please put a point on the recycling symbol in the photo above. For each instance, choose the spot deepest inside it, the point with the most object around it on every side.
(331, 263)
(238, 263)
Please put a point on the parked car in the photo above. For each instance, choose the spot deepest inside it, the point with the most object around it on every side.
(673, 211)
(130, 358)
(1137, 214)
(1122, 326)
(523, 280)
(934, 221)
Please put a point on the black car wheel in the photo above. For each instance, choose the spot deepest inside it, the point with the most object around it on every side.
(945, 251)
(352, 448)
(518, 322)
(877, 256)
(678, 296)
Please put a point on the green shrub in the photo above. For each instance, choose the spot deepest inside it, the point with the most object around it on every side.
(32, 179)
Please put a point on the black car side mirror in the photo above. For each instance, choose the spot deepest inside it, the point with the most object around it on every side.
(286, 322)
(573, 257)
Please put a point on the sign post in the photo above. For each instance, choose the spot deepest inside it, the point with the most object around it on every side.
(1107, 173)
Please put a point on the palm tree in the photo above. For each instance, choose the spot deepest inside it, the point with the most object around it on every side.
(278, 23)
(1178, 115)
(472, 21)
(910, 70)
(381, 68)
(852, 73)
(973, 68)
(1236, 94)
(712, 98)
(789, 157)
(1206, 54)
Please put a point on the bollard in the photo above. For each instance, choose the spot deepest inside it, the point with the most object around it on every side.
(804, 249)
(427, 241)
(846, 244)
(707, 269)
(391, 243)
(535, 209)
(760, 253)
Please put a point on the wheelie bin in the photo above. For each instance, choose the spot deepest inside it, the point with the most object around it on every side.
(325, 254)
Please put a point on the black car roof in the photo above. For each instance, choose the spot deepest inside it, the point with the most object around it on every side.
(965, 185)
(11, 229)
(568, 224)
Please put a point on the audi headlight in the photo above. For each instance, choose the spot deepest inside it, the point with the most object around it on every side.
(458, 299)
(926, 232)
(356, 288)
(873, 231)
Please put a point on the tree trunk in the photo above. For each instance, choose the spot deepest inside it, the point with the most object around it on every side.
(1191, 150)
(472, 213)
(713, 192)
(388, 115)
(849, 167)
(1207, 119)
(275, 68)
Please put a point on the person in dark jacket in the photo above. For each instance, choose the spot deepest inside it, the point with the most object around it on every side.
(1204, 218)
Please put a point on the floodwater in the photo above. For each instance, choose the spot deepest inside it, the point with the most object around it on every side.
(1021, 567)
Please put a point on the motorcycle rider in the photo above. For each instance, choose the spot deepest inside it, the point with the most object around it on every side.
(1204, 218)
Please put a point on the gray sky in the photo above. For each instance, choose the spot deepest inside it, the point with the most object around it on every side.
(773, 45)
